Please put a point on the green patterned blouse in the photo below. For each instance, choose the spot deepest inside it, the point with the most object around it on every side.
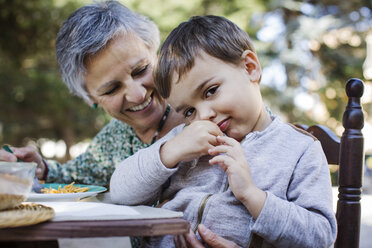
(114, 143)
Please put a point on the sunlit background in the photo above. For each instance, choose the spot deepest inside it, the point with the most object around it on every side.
(308, 50)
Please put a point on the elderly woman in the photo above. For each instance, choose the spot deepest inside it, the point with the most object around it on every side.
(105, 53)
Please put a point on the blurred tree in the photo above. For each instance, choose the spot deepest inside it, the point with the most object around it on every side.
(34, 101)
(321, 45)
(308, 49)
(168, 14)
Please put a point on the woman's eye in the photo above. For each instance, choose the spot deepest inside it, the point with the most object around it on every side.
(112, 90)
(140, 71)
(210, 91)
(188, 112)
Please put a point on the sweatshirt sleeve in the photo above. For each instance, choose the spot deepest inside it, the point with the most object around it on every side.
(139, 178)
(306, 217)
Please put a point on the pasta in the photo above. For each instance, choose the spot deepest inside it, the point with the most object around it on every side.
(66, 189)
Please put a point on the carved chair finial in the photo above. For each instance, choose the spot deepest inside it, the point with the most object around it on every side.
(353, 115)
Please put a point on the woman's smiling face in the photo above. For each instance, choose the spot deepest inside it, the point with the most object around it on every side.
(119, 78)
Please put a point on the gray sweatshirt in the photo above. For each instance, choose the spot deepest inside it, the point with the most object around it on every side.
(286, 163)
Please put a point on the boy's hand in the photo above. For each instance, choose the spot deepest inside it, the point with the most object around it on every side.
(193, 142)
(230, 156)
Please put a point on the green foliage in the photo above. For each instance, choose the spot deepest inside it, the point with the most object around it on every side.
(34, 101)
(337, 30)
(167, 14)
(36, 104)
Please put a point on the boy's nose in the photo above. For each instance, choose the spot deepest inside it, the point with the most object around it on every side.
(206, 113)
(135, 93)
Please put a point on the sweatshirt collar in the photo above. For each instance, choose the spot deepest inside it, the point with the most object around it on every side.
(256, 134)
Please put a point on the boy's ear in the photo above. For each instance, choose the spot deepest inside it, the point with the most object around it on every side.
(251, 65)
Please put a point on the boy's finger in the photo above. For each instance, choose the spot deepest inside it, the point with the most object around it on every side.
(215, 130)
(212, 141)
(221, 160)
(219, 149)
(227, 140)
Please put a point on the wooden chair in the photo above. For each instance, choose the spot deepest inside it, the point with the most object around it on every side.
(348, 153)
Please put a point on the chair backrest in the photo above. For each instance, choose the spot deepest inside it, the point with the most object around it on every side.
(348, 153)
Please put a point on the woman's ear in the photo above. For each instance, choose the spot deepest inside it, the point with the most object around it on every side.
(252, 65)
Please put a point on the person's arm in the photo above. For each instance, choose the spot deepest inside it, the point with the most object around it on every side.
(306, 219)
(96, 165)
(139, 178)
(306, 215)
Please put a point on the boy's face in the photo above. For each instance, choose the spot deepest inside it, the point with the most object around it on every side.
(224, 93)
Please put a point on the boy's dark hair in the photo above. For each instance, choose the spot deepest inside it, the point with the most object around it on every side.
(215, 35)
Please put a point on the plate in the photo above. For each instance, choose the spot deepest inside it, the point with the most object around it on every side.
(93, 190)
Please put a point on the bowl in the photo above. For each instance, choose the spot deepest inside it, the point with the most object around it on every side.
(16, 180)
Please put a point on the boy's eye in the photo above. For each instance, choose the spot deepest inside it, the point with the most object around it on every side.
(188, 112)
(140, 71)
(210, 91)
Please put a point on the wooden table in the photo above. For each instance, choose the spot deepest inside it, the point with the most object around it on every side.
(46, 234)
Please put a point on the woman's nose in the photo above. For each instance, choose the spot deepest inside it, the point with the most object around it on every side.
(135, 93)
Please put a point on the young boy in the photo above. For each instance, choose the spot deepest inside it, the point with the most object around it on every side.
(257, 180)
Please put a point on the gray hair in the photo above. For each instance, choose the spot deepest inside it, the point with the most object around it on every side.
(88, 30)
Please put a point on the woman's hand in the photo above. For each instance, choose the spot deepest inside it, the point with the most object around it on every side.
(209, 237)
(193, 142)
(229, 155)
(7, 156)
(26, 154)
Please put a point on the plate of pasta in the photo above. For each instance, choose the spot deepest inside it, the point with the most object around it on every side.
(63, 192)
